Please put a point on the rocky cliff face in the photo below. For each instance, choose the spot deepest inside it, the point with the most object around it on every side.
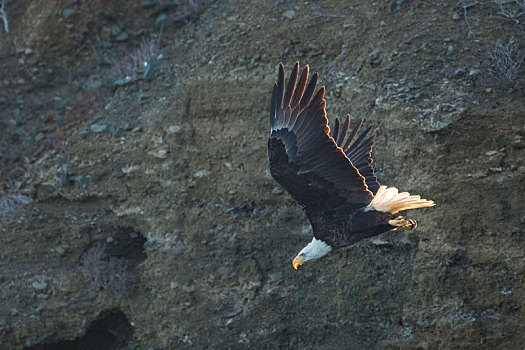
(155, 223)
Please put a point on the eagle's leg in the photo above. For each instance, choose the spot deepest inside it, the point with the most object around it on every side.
(404, 223)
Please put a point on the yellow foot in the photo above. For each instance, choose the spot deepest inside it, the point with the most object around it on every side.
(404, 223)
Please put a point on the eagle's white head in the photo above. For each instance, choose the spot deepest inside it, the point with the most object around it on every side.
(314, 250)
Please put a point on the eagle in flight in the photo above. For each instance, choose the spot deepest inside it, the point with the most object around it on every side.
(331, 177)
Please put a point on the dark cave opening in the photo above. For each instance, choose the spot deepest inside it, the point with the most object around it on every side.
(111, 330)
(129, 245)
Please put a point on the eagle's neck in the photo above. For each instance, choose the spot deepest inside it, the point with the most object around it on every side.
(315, 249)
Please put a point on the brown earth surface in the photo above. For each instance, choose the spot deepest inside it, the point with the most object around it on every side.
(168, 176)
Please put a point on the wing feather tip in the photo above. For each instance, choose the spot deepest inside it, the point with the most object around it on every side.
(314, 118)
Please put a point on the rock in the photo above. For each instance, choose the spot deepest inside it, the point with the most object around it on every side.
(110, 239)
(235, 71)
(459, 72)
(17, 172)
(254, 59)
(95, 118)
(160, 154)
(491, 153)
(118, 174)
(122, 36)
(446, 108)
(396, 5)
(67, 12)
(48, 186)
(130, 126)
(93, 82)
(115, 30)
(180, 246)
(146, 4)
(142, 96)
(496, 170)
(378, 241)
(432, 122)
(59, 103)
(306, 229)
(522, 220)
(123, 81)
(4, 327)
(39, 285)
(163, 21)
(60, 250)
(223, 271)
(456, 16)
(450, 50)
(375, 57)
(82, 180)
(275, 276)
(174, 129)
(421, 95)
(301, 293)
(202, 174)
(98, 127)
(290, 14)
(277, 191)
(113, 129)
(474, 72)
(39, 137)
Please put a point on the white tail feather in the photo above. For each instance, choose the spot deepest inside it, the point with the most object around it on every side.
(389, 200)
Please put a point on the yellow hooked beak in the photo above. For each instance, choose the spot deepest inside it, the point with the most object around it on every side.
(299, 260)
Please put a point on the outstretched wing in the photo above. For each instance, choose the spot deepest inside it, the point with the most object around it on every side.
(359, 150)
(305, 159)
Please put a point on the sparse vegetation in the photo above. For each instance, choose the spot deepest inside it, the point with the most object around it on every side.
(132, 64)
(12, 205)
(506, 61)
(513, 10)
(3, 15)
(107, 272)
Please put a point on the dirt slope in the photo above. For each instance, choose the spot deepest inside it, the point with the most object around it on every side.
(176, 191)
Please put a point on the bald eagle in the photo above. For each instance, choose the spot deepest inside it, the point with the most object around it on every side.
(331, 177)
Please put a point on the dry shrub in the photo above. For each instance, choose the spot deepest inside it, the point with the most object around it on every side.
(506, 61)
(12, 206)
(107, 272)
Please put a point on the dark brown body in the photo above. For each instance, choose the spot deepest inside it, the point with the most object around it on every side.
(333, 219)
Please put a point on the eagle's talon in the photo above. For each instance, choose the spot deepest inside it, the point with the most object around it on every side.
(404, 223)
